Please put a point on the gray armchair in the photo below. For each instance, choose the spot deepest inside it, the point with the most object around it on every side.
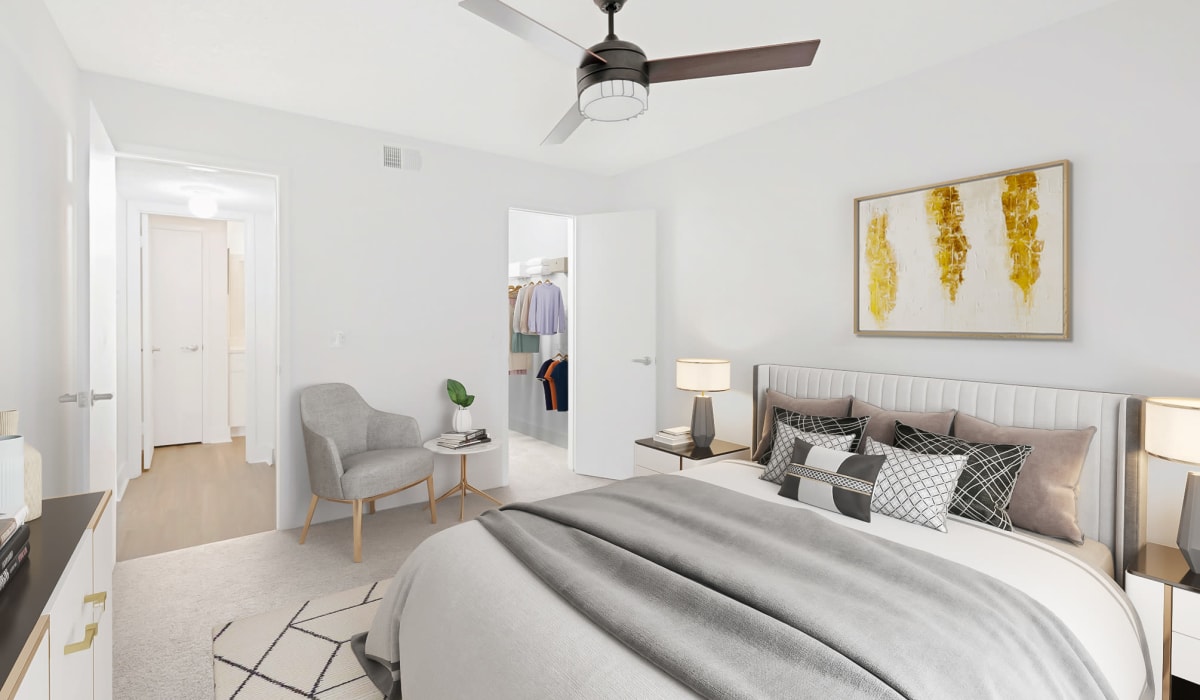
(357, 454)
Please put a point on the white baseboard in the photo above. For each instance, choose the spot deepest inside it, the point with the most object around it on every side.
(237, 430)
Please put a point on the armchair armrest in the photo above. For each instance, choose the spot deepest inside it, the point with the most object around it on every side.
(387, 431)
(324, 464)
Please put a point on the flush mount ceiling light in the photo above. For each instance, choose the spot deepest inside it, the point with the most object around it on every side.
(202, 203)
(614, 76)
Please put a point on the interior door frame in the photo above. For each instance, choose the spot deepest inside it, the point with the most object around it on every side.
(570, 308)
(281, 286)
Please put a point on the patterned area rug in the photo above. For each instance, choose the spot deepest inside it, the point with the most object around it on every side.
(297, 652)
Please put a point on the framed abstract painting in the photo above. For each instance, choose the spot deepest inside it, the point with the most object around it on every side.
(985, 256)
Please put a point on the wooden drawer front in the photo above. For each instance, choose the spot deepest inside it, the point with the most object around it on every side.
(1185, 613)
(36, 684)
(104, 555)
(1185, 657)
(656, 460)
(69, 617)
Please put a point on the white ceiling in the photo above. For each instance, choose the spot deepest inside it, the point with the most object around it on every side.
(429, 69)
(174, 183)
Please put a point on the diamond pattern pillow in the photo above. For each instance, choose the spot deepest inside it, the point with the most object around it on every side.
(823, 425)
(915, 487)
(784, 434)
(986, 485)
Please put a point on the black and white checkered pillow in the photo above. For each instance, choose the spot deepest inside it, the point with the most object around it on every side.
(913, 486)
(819, 430)
(986, 485)
(842, 482)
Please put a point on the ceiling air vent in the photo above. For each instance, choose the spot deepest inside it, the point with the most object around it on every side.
(401, 158)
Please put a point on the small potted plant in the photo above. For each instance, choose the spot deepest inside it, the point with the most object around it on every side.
(458, 394)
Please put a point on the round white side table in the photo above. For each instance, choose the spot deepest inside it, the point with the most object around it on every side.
(463, 486)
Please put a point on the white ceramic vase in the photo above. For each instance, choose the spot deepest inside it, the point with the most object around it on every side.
(462, 420)
(12, 473)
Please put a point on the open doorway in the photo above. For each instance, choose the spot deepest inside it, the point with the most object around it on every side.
(540, 321)
(200, 352)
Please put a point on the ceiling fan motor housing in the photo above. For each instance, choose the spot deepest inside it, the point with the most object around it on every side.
(625, 61)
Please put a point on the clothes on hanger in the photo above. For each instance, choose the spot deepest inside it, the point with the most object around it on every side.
(553, 375)
(547, 313)
(520, 340)
(519, 360)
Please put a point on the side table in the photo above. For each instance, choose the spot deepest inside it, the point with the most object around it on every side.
(463, 486)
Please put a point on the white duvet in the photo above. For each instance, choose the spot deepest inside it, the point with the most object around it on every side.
(477, 624)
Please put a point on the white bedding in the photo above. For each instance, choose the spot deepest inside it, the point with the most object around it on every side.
(477, 623)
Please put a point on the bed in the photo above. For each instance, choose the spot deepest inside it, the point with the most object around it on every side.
(466, 617)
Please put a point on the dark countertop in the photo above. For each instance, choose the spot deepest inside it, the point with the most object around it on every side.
(52, 540)
(716, 449)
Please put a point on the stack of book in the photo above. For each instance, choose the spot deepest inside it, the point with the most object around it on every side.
(674, 437)
(14, 544)
(456, 440)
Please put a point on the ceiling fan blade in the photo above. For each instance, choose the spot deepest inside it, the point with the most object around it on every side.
(565, 127)
(530, 30)
(707, 65)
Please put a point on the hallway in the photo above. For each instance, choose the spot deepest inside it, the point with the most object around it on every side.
(195, 494)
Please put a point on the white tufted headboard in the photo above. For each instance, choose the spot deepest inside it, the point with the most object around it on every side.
(1113, 479)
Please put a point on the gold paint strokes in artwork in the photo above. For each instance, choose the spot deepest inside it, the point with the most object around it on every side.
(945, 211)
(881, 263)
(1020, 202)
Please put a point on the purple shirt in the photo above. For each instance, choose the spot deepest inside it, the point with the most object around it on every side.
(547, 315)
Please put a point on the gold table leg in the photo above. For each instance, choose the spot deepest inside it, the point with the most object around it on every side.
(462, 488)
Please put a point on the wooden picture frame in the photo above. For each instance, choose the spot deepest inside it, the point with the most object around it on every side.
(980, 257)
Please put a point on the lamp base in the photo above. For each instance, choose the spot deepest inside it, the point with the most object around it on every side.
(1189, 522)
(703, 428)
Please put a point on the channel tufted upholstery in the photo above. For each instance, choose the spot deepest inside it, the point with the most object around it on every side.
(1112, 480)
(357, 454)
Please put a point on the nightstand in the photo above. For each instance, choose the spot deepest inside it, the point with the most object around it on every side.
(658, 457)
(1166, 595)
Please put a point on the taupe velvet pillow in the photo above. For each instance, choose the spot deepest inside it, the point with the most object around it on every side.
(831, 408)
(1045, 498)
(882, 427)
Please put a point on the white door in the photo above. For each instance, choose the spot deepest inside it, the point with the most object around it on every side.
(102, 309)
(177, 318)
(146, 415)
(613, 364)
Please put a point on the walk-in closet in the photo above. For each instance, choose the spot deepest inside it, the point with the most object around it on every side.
(539, 369)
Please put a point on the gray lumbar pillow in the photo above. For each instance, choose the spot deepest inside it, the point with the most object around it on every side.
(1045, 498)
(842, 482)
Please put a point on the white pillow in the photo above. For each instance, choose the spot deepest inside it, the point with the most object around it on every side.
(915, 487)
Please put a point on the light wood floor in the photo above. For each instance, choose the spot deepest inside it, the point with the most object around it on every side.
(195, 494)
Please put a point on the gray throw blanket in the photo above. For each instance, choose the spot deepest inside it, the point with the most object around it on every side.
(739, 598)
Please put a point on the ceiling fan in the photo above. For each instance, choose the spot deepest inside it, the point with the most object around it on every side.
(614, 76)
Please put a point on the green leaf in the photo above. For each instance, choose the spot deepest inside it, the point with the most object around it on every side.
(468, 401)
(457, 392)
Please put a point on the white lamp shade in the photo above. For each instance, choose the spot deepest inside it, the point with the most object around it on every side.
(1172, 429)
(613, 100)
(702, 375)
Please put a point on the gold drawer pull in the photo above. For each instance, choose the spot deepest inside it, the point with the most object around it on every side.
(89, 636)
(100, 599)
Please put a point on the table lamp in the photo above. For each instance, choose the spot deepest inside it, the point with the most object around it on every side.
(1172, 432)
(702, 376)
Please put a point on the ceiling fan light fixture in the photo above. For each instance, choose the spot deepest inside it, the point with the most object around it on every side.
(614, 100)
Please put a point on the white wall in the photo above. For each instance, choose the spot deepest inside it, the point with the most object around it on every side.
(537, 235)
(756, 239)
(407, 264)
(43, 202)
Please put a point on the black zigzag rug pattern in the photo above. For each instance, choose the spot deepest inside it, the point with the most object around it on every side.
(297, 652)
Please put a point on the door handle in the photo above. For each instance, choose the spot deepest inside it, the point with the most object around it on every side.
(156, 349)
(643, 360)
(189, 348)
(100, 397)
(68, 398)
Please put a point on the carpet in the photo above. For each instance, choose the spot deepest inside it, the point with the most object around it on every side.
(301, 651)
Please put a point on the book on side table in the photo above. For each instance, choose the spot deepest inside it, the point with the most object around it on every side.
(674, 437)
(458, 439)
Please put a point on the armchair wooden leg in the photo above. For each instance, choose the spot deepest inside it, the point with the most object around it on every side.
(308, 521)
(372, 504)
(432, 501)
(358, 508)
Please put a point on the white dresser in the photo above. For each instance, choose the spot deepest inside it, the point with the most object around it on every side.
(1166, 595)
(56, 641)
